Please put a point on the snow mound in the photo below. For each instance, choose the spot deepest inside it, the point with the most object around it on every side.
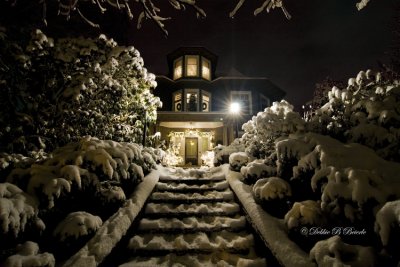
(334, 252)
(181, 186)
(28, 256)
(77, 224)
(387, 218)
(271, 188)
(17, 209)
(211, 195)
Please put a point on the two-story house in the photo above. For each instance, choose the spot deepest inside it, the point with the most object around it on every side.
(195, 115)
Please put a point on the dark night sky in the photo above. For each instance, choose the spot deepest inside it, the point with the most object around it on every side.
(323, 38)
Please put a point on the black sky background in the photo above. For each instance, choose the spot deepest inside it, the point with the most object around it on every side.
(323, 38)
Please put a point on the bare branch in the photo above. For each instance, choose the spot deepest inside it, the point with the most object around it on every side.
(87, 20)
(237, 7)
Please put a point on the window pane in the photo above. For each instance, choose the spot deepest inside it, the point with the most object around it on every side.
(178, 69)
(191, 102)
(205, 70)
(192, 66)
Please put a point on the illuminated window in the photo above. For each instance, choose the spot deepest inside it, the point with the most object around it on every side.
(178, 101)
(244, 98)
(192, 66)
(205, 69)
(178, 71)
(192, 99)
(206, 101)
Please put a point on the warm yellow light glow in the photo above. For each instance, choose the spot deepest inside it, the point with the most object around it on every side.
(234, 108)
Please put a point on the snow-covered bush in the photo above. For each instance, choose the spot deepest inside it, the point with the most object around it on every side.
(273, 194)
(334, 252)
(208, 158)
(366, 112)
(28, 256)
(255, 170)
(77, 224)
(387, 226)
(304, 218)
(237, 160)
(83, 167)
(222, 153)
(56, 91)
(18, 212)
(261, 132)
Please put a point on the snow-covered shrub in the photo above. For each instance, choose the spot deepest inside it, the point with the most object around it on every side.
(261, 132)
(222, 153)
(60, 90)
(255, 170)
(237, 160)
(208, 158)
(77, 224)
(273, 194)
(73, 232)
(28, 256)
(334, 252)
(366, 112)
(387, 226)
(82, 166)
(18, 212)
(303, 218)
(289, 151)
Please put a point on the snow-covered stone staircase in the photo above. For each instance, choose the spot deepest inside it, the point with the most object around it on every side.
(193, 221)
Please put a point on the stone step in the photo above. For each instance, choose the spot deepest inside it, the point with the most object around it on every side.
(193, 224)
(192, 180)
(208, 196)
(194, 260)
(194, 242)
(182, 187)
(181, 210)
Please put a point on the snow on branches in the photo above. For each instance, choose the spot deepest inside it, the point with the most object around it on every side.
(57, 91)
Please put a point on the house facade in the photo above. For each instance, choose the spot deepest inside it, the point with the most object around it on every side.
(195, 115)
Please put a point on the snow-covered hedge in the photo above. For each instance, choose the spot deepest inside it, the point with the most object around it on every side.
(276, 121)
(237, 160)
(77, 224)
(53, 92)
(366, 112)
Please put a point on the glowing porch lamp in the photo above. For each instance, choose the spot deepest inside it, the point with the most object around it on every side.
(235, 110)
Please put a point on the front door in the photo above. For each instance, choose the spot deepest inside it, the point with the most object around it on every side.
(191, 147)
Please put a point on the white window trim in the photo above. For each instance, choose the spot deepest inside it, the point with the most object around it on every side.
(250, 99)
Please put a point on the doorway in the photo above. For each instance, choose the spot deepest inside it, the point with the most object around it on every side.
(191, 150)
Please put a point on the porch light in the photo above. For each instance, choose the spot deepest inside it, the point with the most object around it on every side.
(235, 110)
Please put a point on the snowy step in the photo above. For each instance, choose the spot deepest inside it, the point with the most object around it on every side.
(208, 196)
(164, 210)
(183, 187)
(204, 260)
(193, 224)
(195, 242)
(192, 180)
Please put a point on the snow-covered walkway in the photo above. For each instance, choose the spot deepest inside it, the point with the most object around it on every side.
(192, 219)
